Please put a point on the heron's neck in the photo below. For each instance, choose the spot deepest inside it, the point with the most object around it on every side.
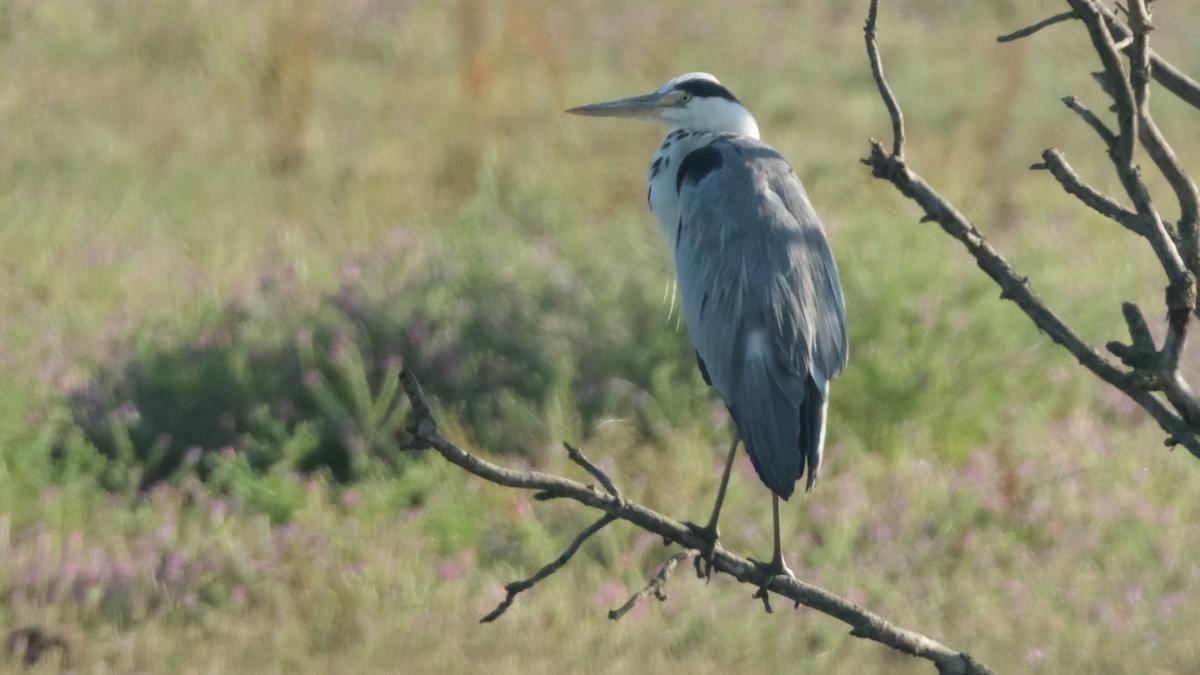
(719, 116)
(743, 124)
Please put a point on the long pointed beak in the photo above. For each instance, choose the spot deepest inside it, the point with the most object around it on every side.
(646, 106)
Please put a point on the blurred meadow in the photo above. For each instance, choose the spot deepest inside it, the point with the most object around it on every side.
(225, 226)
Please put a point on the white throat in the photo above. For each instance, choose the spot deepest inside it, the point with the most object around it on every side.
(713, 115)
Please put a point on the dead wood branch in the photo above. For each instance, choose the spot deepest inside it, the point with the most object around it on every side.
(516, 587)
(655, 587)
(1171, 78)
(424, 434)
(1149, 376)
(1030, 30)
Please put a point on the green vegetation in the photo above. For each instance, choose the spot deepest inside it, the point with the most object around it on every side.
(205, 306)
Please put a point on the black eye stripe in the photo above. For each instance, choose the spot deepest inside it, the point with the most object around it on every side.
(706, 88)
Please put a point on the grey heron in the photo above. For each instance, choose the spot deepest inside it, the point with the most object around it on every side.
(761, 295)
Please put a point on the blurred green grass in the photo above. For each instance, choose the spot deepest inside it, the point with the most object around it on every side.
(178, 306)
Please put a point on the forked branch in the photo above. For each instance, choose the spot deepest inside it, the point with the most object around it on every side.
(423, 430)
(1148, 375)
(1171, 78)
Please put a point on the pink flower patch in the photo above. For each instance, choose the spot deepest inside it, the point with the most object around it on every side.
(450, 569)
(520, 508)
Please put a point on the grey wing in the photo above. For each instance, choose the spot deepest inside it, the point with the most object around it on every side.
(763, 305)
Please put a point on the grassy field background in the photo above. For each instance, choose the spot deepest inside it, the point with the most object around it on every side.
(225, 226)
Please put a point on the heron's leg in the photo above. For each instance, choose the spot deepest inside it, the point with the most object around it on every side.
(716, 513)
(776, 567)
(709, 532)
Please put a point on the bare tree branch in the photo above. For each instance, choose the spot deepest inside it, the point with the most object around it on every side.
(1170, 77)
(577, 456)
(864, 624)
(1181, 287)
(1176, 387)
(1106, 134)
(1156, 145)
(1127, 103)
(655, 586)
(1140, 354)
(1185, 190)
(1044, 23)
(1148, 133)
(889, 99)
(1017, 288)
(1054, 162)
(516, 587)
(1129, 94)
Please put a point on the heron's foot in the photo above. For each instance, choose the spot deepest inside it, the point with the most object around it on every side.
(769, 571)
(704, 561)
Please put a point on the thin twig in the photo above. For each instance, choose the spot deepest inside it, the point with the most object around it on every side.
(1171, 78)
(1054, 162)
(1180, 394)
(1130, 96)
(1106, 134)
(1118, 85)
(1110, 35)
(655, 586)
(1156, 144)
(1184, 187)
(578, 457)
(1026, 32)
(1125, 101)
(517, 587)
(863, 623)
(885, 91)
(1175, 386)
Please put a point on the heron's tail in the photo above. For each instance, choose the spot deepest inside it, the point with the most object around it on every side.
(782, 422)
(812, 428)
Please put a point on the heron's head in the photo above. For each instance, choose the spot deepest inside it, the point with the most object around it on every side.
(695, 101)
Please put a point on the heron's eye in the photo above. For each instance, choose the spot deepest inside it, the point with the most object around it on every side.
(685, 99)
